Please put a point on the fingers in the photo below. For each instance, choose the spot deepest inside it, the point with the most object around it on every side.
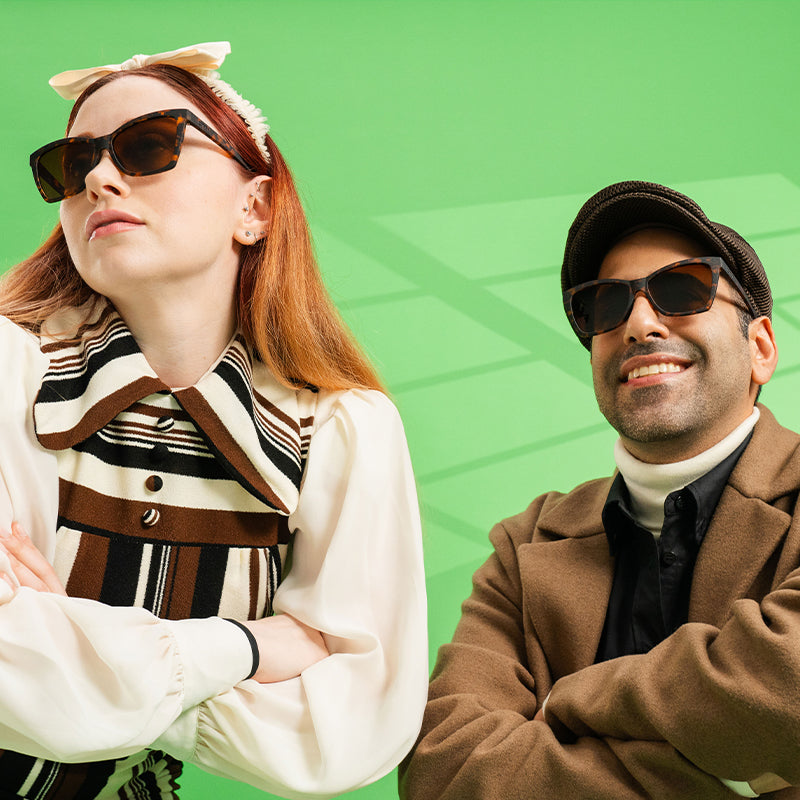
(24, 575)
(286, 647)
(311, 639)
(30, 566)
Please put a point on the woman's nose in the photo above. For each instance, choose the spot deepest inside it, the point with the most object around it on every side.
(106, 178)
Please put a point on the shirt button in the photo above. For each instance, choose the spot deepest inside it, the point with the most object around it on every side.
(150, 518)
(680, 503)
(159, 453)
(669, 558)
(165, 423)
(154, 483)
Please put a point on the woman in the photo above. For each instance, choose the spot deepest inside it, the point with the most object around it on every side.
(208, 419)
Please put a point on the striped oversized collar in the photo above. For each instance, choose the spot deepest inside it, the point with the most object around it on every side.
(258, 428)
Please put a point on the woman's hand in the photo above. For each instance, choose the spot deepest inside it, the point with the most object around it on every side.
(285, 647)
(31, 568)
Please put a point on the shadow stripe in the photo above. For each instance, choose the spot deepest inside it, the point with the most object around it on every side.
(438, 280)
(514, 452)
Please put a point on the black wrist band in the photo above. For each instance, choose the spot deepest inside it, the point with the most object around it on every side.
(253, 644)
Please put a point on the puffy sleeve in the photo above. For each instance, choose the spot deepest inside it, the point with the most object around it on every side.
(83, 681)
(28, 472)
(357, 576)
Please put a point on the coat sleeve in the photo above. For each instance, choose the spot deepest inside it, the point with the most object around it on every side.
(83, 681)
(357, 576)
(479, 738)
(727, 698)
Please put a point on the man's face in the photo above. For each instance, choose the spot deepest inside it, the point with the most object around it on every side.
(705, 390)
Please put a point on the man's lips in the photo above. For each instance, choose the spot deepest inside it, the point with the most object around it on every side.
(643, 368)
(108, 222)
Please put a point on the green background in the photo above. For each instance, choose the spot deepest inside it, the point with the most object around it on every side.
(442, 149)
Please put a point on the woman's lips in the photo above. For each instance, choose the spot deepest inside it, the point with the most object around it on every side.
(111, 228)
(109, 222)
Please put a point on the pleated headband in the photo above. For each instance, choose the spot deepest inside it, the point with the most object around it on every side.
(202, 60)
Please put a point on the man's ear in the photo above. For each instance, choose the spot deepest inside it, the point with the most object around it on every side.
(763, 350)
(255, 211)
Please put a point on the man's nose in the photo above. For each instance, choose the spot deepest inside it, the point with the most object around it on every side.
(644, 322)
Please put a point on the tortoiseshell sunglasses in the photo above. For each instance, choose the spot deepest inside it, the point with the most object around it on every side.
(676, 290)
(145, 145)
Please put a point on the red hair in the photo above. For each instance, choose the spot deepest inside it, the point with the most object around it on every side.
(283, 309)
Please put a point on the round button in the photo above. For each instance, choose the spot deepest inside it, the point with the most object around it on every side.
(680, 503)
(159, 453)
(165, 423)
(150, 518)
(669, 558)
(154, 483)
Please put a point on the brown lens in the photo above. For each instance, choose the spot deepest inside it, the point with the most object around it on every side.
(147, 147)
(600, 307)
(684, 289)
(62, 171)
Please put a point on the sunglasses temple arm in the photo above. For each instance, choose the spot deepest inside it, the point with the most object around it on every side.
(217, 139)
(739, 288)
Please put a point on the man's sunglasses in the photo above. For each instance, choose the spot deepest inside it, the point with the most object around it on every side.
(145, 145)
(676, 290)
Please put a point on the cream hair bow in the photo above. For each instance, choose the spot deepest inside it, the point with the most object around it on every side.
(200, 59)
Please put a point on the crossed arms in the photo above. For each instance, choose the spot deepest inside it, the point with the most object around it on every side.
(707, 704)
(82, 681)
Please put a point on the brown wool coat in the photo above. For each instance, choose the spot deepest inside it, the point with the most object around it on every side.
(720, 697)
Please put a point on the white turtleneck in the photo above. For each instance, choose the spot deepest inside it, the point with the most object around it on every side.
(649, 484)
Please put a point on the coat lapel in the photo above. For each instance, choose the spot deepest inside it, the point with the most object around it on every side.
(568, 583)
(749, 524)
(742, 536)
(567, 572)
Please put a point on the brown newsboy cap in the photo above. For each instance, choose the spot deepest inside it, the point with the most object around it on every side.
(624, 207)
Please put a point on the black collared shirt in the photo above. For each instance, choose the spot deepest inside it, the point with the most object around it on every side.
(653, 577)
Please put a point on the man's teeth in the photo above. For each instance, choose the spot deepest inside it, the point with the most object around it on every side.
(653, 369)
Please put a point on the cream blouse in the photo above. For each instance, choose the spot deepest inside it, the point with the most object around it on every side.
(84, 681)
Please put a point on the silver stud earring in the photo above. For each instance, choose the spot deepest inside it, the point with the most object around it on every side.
(248, 233)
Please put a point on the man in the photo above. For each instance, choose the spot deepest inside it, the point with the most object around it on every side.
(657, 612)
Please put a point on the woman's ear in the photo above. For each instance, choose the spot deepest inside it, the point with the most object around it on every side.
(255, 211)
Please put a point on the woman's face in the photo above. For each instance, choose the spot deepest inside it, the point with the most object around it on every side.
(157, 234)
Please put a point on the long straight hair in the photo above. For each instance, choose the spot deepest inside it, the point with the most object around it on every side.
(283, 308)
